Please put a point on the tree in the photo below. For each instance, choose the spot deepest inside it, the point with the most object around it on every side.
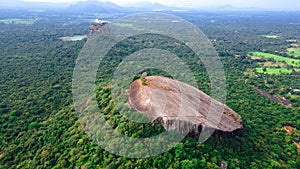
(33, 125)
(264, 69)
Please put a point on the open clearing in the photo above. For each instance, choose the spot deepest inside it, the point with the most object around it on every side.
(292, 41)
(123, 24)
(293, 52)
(271, 36)
(272, 64)
(277, 58)
(18, 21)
(293, 96)
(73, 38)
(134, 27)
(273, 70)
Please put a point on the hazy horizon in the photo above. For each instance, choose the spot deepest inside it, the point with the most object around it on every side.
(262, 4)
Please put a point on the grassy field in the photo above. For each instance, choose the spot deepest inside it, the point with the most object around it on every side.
(294, 52)
(18, 21)
(273, 70)
(141, 28)
(293, 96)
(289, 61)
(271, 36)
(123, 25)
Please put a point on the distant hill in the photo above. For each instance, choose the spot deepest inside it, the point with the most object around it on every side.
(20, 4)
(227, 7)
(90, 6)
(148, 6)
(95, 6)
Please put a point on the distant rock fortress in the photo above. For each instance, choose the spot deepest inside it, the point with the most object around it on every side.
(181, 107)
(99, 27)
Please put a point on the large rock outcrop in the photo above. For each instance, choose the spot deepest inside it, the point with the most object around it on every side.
(101, 27)
(181, 107)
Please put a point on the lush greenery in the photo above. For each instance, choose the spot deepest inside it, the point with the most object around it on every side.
(289, 61)
(294, 52)
(40, 129)
(144, 80)
(123, 25)
(273, 70)
(18, 21)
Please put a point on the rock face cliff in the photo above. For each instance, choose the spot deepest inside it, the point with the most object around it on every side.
(181, 107)
(101, 27)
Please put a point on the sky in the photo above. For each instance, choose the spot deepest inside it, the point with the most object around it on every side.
(268, 4)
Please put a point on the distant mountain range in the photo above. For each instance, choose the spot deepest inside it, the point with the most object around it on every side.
(92, 6)
(20, 4)
(148, 6)
(229, 7)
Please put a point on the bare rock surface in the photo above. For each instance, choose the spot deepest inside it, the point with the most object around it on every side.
(181, 107)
